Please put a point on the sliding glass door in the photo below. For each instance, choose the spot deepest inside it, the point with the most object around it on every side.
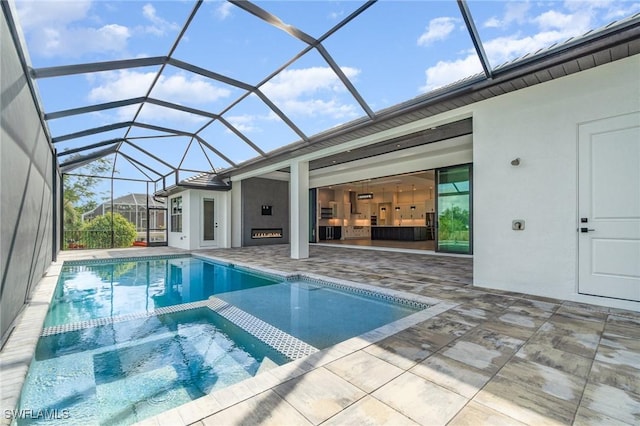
(454, 209)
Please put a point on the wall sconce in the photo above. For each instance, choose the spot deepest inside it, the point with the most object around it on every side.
(515, 161)
(397, 208)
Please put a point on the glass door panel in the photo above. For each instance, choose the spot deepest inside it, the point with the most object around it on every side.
(209, 220)
(454, 209)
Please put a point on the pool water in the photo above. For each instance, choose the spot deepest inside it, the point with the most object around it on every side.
(127, 371)
(318, 315)
(102, 290)
(127, 340)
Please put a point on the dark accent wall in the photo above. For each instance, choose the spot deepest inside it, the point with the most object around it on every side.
(26, 187)
(257, 192)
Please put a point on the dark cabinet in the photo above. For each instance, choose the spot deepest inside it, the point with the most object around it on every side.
(399, 233)
(329, 233)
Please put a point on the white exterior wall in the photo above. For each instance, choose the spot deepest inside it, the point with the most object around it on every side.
(539, 125)
(179, 239)
(191, 236)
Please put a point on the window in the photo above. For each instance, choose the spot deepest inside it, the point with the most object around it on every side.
(176, 214)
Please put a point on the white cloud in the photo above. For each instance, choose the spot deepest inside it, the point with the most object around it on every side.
(447, 72)
(571, 19)
(513, 12)
(516, 12)
(245, 123)
(178, 88)
(574, 24)
(161, 115)
(75, 42)
(438, 29)
(50, 26)
(223, 11)
(493, 22)
(293, 83)
(310, 91)
(160, 26)
(38, 14)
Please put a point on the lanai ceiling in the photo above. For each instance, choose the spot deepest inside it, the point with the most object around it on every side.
(194, 86)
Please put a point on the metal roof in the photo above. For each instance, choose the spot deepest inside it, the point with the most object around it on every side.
(143, 140)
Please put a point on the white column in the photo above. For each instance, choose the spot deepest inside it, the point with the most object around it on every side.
(236, 213)
(299, 209)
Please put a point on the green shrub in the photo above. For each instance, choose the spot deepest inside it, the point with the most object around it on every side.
(98, 231)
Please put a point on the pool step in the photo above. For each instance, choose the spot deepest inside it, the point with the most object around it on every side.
(288, 345)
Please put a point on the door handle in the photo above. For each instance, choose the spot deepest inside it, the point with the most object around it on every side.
(585, 230)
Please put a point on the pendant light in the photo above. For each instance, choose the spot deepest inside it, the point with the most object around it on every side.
(397, 198)
(413, 189)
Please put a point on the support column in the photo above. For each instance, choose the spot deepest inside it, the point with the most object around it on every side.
(299, 210)
(236, 213)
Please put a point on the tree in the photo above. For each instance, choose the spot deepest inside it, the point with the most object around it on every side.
(80, 192)
(98, 231)
(454, 224)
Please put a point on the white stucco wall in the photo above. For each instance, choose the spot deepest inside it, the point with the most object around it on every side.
(191, 236)
(539, 125)
(180, 239)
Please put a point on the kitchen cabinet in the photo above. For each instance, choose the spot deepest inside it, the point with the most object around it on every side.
(399, 233)
(329, 232)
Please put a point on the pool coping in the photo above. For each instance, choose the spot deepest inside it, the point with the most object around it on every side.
(222, 399)
(18, 351)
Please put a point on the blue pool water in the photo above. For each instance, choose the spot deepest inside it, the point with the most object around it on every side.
(318, 315)
(124, 341)
(101, 290)
(125, 372)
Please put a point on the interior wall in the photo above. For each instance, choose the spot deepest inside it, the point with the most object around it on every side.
(257, 192)
(539, 125)
(26, 188)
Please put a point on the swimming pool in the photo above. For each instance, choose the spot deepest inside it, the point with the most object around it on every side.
(127, 340)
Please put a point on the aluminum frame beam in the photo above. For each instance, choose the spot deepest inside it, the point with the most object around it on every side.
(475, 38)
(87, 147)
(80, 161)
(93, 108)
(64, 70)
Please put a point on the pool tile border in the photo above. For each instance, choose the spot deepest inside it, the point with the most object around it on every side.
(82, 262)
(288, 345)
(411, 300)
(14, 360)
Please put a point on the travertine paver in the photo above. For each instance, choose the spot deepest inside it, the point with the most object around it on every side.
(496, 357)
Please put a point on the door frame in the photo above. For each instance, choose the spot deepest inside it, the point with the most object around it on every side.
(582, 287)
(201, 240)
(437, 216)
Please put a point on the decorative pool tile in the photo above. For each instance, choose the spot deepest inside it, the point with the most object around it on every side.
(288, 345)
(65, 328)
(124, 259)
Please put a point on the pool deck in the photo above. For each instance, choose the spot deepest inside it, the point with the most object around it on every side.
(485, 357)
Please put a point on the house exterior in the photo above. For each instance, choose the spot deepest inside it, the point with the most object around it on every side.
(132, 207)
(549, 127)
(554, 146)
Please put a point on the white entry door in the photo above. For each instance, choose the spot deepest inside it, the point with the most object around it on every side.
(609, 207)
(209, 223)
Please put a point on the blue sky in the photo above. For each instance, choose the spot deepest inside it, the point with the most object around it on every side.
(392, 52)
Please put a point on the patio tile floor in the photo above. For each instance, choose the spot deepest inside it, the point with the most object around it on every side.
(496, 357)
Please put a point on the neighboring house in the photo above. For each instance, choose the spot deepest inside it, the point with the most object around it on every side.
(133, 207)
